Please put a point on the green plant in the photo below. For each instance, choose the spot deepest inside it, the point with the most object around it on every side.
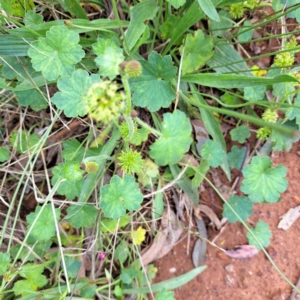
(114, 77)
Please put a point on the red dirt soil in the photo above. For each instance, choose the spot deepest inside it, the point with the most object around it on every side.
(242, 279)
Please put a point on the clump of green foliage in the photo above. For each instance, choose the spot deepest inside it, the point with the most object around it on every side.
(113, 71)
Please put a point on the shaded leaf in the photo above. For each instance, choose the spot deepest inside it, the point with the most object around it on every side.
(176, 3)
(284, 142)
(236, 157)
(262, 234)
(254, 93)
(73, 265)
(32, 18)
(4, 262)
(122, 252)
(219, 28)
(120, 194)
(245, 32)
(70, 171)
(32, 98)
(240, 133)
(110, 225)
(4, 154)
(213, 153)
(23, 141)
(82, 216)
(153, 89)
(139, 13)
(164, 295)
(242, 206)
(209, 9)
(175, 141)
(43, 227)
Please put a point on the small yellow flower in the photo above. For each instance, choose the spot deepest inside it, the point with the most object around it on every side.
(256, 71)
(138, 236)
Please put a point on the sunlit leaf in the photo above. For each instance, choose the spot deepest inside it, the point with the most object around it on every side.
(57, 53)
(197, 50)
(73, 91)
(262, 182)
(109, 57)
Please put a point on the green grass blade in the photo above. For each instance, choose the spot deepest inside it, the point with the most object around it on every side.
(13, 45)
(185, 184)
(141, 12)
(193, 15)
(74, 8)
(91, 179)
(227, 60)
(214, 129)
(167, 284)
(229, 81)
(77, 25)
(209, 9)
(254, 120)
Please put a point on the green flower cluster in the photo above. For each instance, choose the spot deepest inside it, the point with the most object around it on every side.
(237, 10)
(104, 101)
(130, 161)
(287, 59)
(270, 116)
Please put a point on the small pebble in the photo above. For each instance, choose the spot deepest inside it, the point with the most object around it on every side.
(172, 270)
(229, 268)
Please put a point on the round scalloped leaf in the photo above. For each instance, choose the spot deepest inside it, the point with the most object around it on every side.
(44, 227)
(73, 90)
(198, 50)
(262, 233)
(175, 141)
(213, 152)
(263, 183)
(119, 195)
(82, 216)
(57, 53)
(242, 207)
(153, 89)
(240, 133)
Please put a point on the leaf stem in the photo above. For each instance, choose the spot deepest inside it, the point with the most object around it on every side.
(146, 126)
(127, 94)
